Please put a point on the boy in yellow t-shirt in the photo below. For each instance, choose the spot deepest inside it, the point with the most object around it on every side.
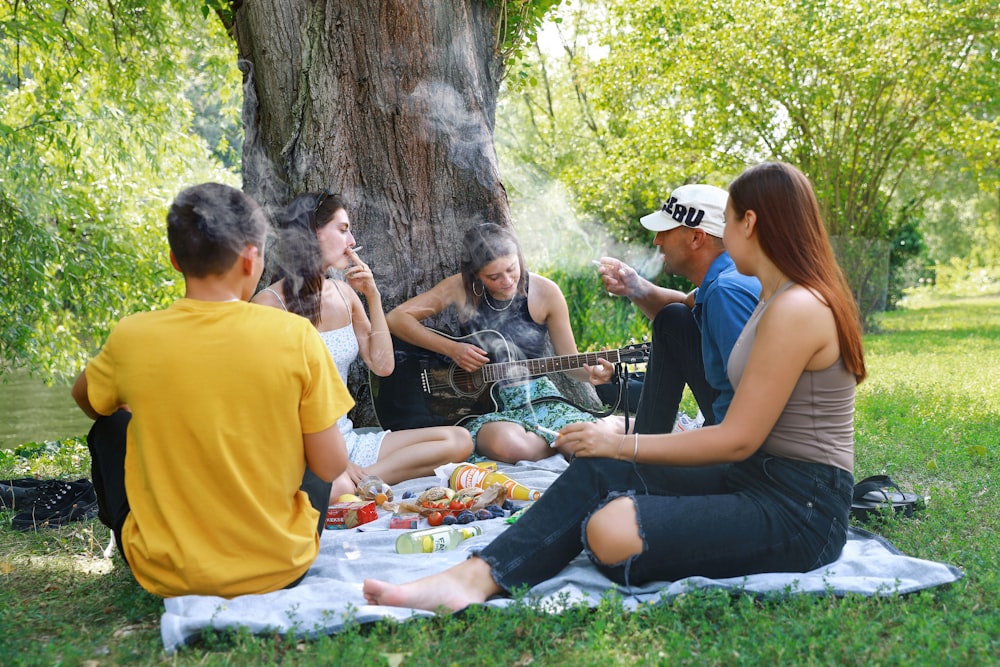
(208, 414)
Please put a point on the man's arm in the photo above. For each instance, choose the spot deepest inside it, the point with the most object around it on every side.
(79, 392)
(326, 453)
(621, 279)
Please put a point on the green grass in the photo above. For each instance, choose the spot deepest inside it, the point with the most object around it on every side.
(929, 415)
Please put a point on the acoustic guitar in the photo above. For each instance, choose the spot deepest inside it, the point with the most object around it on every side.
(429, 389)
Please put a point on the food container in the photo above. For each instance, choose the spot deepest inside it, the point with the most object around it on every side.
(350, 515)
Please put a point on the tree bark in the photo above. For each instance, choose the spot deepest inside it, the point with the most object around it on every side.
(391, 103)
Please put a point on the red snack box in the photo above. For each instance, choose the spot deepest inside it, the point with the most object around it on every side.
(406, 521)
(350, 515)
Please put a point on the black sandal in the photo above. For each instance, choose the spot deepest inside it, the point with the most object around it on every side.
(879, 493)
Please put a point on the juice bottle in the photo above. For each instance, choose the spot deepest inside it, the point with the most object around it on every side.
(467, 475)
(439, 538)
(371, 485)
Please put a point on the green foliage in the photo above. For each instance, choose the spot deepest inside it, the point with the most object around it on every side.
(958, 278)
(854, 93)
(68, 458)
(223, 8)
(907, 259)
(98, 131)
(599, 321)
(518, 24)
(885, 106)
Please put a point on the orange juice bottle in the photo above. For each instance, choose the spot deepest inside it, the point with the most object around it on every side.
(468, 475)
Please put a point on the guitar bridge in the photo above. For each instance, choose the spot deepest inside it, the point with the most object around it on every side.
(425, 381)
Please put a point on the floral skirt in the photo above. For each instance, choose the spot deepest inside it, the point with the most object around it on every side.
(535, 403)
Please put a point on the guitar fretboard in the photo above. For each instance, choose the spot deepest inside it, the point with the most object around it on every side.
(512, 370)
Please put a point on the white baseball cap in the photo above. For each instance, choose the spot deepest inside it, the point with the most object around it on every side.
(697, 206)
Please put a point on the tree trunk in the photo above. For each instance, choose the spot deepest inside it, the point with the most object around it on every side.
(391, 103)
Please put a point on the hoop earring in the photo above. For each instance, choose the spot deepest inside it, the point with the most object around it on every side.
(480, 292)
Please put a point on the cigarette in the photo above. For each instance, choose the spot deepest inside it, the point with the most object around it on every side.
(356, 248)
(595, 262)
(550, 432)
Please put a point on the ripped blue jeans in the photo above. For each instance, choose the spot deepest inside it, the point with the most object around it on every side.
(765, 514)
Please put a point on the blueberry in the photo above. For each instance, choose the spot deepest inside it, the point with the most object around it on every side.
(484, 514)
(509, 506)
(448, 520)
(465, 516)
(495, 510)
(408, 494)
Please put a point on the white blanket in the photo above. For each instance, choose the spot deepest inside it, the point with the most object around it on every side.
(330, 595)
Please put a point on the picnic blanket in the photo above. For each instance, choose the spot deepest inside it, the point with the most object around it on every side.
(329, 597)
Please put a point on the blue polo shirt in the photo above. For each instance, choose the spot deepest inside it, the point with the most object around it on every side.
(722, 305)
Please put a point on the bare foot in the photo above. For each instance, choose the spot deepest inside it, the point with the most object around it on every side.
(469, 582)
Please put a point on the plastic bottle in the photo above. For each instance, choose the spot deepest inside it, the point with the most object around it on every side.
(371, 485)
(439, 538)
(467, 475)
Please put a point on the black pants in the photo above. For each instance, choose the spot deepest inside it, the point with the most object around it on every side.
(106, 442)
(674, 361)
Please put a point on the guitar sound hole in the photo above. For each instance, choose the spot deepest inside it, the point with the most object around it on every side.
(466, 383)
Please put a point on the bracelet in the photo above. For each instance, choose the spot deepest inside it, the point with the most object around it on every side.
(618, 455)
(635, 449)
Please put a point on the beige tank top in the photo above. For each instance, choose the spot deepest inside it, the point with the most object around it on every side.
(817, 424)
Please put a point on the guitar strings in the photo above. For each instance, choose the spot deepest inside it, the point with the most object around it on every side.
(514, 370)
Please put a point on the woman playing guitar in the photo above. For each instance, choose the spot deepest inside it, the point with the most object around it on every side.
(495, 292)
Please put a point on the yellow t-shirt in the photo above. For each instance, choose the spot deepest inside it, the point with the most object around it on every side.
(220, 394)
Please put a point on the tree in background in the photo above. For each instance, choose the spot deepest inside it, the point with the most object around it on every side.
(100, 106)
(867, 99)
(391, 103)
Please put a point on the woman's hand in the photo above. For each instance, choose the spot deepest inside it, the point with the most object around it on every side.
(360, 277)
(469, 357)
(355, 472)
(600, 374)
(589, 439)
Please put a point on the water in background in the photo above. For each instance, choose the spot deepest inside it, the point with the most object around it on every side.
(30, 411)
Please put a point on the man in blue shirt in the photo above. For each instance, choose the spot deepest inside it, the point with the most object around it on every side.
(693, 333)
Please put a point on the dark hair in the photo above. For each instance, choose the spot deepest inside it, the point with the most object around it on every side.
(792, 235)
(481, 245)
(209, 225)
(300, 261)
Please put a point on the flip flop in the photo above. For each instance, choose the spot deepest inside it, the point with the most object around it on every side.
(879, 493)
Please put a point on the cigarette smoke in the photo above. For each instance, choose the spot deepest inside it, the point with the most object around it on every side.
(553, 234)
(444, 117)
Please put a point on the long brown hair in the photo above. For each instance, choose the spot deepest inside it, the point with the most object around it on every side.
(792, 235)
(481, 245)
(300, 259)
